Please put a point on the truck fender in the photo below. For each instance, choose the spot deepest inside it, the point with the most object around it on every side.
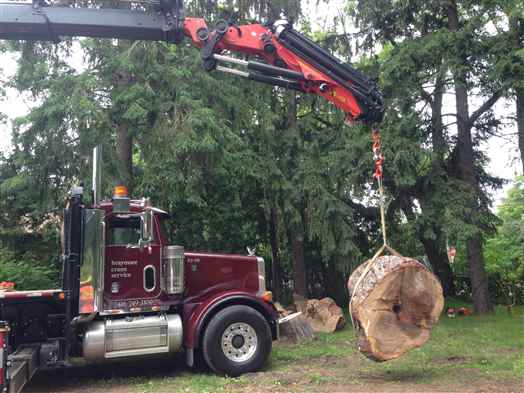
(202, 315)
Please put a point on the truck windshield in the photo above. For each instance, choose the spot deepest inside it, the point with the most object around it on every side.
(124, 230)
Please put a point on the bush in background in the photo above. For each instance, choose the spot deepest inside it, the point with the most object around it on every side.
(27, 271)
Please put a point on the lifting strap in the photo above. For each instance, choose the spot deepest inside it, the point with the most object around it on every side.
(378, 157)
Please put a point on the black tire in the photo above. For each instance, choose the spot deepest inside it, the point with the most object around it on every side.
(242, 321)
(199, 363)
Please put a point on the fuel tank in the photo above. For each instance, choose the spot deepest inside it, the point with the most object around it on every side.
(132, 336)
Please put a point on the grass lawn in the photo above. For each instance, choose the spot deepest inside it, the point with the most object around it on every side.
(464, 354)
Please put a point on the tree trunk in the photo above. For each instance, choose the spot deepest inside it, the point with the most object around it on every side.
(124, 146)
(335, 283)
(296, 327)
(467, 173)
(479, 279)
(276, 276)
(299, 268)
(520, 123)
(436, 252)
(436, 248)
(437, 127)
(516, 26)
(324, 315)
(124, 141)
(394, 306)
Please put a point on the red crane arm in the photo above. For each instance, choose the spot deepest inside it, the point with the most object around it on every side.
(291, 61)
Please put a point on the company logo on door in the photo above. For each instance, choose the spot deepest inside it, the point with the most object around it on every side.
(119, 269)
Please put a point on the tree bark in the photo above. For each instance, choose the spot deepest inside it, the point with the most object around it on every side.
(335, 283)
(516, 26)
(324, 315)
(296, 327)
(276, 274)
(467, 173)
(520, 123)
(436, 251)
(437, 127)
(297, 232)
(124, 147)
(479, 279)
(436, 248)
(124, 142)
(299, 268)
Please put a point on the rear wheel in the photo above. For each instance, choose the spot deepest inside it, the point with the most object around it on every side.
(237, 340)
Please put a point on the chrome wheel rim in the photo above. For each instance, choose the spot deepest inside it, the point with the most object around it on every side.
(239, 342)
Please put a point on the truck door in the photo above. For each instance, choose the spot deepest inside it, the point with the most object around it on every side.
(132, 275)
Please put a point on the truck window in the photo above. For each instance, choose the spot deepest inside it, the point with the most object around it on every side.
(149, 278)
(124, 231)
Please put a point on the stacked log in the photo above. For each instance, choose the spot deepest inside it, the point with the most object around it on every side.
(394, 306)
(308, 317)
(296, 328)
(324, 315)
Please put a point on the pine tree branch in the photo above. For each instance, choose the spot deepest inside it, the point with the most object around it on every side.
(484, 107)
(369, 213)
(426, 96)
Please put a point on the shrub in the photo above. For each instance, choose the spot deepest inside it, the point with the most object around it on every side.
(27, 272)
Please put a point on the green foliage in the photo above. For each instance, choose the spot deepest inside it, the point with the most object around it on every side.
(219, 153)
(505, 251)
(27, 271)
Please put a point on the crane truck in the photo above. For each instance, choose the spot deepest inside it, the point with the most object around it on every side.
(125, 291)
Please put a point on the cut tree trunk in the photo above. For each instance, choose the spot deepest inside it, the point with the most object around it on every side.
(324, 315)
(296, 328)
(394, 306)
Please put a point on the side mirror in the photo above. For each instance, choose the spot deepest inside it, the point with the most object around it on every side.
(147, 228)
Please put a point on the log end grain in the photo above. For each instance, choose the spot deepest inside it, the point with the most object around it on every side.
(394, 306)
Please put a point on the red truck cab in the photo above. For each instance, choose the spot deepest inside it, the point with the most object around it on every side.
(127, 293)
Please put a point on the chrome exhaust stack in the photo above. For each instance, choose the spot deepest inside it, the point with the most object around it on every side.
(97, 175)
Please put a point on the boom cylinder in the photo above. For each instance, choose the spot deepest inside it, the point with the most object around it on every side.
(365, 90)
(324, 58)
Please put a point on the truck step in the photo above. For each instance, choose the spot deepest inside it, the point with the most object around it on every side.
(23, 365)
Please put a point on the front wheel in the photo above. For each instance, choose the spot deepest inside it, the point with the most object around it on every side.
(237, 341)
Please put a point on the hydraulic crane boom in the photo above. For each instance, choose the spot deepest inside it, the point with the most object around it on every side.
(287, 58)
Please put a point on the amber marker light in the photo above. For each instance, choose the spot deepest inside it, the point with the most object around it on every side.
(267, 296)
(120, 192)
